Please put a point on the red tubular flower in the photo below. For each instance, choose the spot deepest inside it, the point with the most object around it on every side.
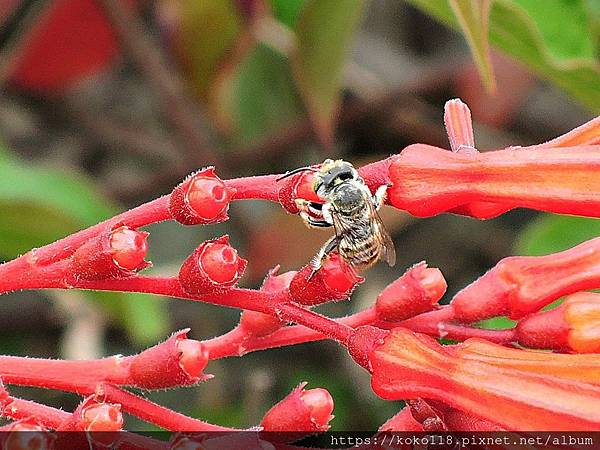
(429, 180)
(520, 285)
(415, 292)
(102, 417)
(580, 368)
(335, 280)
(301, 410)
(408, 366)
(572, 326)
(213, 267)
(201, 198)
(175, 362)
(296, 187)
(257, 324)
(117, 254)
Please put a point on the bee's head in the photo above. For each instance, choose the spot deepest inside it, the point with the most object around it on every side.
(332, 174)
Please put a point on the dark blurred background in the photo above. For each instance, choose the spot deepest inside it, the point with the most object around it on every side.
(105, 104)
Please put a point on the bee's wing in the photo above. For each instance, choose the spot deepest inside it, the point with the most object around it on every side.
(389, 251)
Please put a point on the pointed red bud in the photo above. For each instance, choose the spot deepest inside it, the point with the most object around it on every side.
(200, 199)
(300, 186)
(119, 253)
(214, 266)
(415, 292)
(300, 411)
(258, 324)
(335, 280)
(178, 361)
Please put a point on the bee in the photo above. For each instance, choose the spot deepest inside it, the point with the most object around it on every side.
(349, 207)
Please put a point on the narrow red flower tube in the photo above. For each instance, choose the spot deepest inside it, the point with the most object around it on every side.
(119, 253)
(201, 198)
(178, 361)
(572, 326)
(409, 366)
(520, 285)
(334, 281)
(213, 267)
(428, 180)
(257, 324)
(302, 410)
(415, 292)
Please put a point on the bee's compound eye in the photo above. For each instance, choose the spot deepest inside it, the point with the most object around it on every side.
(346, 176)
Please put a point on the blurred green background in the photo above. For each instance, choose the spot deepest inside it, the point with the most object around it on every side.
(100, 112)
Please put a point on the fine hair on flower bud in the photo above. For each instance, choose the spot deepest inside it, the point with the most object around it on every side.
(201, 198)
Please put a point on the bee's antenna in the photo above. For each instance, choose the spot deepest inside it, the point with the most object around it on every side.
(295, 171)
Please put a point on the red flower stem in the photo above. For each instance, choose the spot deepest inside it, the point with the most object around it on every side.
(330, 328)
(156, 414)
(46, 416)
(439, 324)
(151, 212)
(74, 376)
(262, 187)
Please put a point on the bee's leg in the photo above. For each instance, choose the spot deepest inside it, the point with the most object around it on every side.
(380, 196)
(314, 223)
(317, 261)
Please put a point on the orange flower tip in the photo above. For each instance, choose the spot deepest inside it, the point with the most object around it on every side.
(129, 248)
(201, 198)
(194, 357)
(320, 404)
(102, 417)
(363, 341)
(582, 315)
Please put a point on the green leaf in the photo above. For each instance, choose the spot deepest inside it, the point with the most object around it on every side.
(324, 30)
(473, 17)
(497, 323)
(264, 97)
(39, 205)
(287, 11)
(209, 30)
(551, 233)
(555, 38)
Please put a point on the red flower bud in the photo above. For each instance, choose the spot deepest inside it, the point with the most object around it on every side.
(415, 292)
(35, 437)
(300, 411)
(214, 266)
(176, 362)
(102, 417)
(335, 280)
(200, 199)
(117, 254)
(258, 324)
(298, 186)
